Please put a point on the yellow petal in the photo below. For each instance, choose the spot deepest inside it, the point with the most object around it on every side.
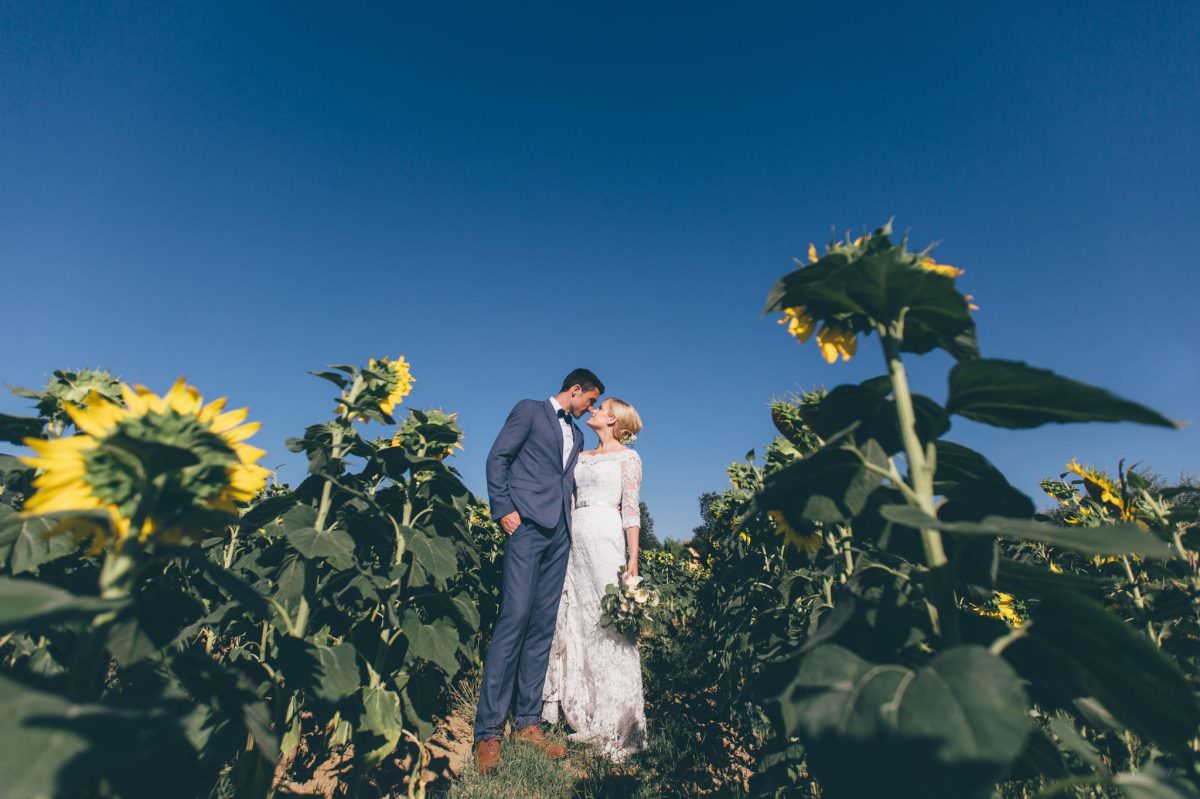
(211, 410)
(97, 417)
(182, 398)
(229, 420)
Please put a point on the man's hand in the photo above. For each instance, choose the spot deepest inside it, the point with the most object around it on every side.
(510, 522)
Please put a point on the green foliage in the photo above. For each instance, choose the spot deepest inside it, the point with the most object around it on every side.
(335, 613)
(905, 624)
(67, 389)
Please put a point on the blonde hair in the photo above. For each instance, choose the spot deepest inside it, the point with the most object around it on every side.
(629, 423)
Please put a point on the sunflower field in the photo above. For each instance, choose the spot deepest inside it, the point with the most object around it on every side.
(882, 595)
(174, 624)
(870, 608)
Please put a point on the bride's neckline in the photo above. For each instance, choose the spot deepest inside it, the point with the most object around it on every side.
(594, 454)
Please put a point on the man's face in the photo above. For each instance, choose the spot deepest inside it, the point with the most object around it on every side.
(580, 401)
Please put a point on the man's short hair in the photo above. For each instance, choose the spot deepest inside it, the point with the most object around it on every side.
(584, 378)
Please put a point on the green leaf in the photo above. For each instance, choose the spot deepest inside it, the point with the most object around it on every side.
(27, 602)
(1075, 648)
(333, 545)
(1026, 580)
(831, 485)
(436, 642)
(339, 677)
(1115, 539)
(963, 717)
(32, 544)
(869, 406)
(433, 553)
(15, 429)
(1154, 782)
(53, 747)
(1015, 395)
(467, 610)
(957, 464)
(238, 590)
(379, 727)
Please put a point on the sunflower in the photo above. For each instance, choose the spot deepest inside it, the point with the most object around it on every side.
(159, 463)
(800, 324)
(835, 340)
(377, 390)
(401, 385)
(806, 543)
(1005, 609)
(1100, 488)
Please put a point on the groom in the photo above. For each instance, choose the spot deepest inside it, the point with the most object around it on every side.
(530, 479)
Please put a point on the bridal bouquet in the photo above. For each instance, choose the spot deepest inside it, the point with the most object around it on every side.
(626, 605)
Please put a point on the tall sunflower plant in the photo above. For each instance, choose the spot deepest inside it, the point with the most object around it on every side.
(943, 699)
(372, 565)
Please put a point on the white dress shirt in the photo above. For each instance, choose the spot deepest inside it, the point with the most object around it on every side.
(567, 431)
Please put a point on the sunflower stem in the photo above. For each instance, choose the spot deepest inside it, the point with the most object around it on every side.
(335, 454)
(920, 478)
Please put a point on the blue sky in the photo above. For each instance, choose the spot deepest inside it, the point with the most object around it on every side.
(240, 193)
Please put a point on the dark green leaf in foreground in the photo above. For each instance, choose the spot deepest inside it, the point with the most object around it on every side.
(1075, 648)
(25, 602)
(53, 747)
(963, 718)
(1015, 395)
(15, 429)
(1114, 539)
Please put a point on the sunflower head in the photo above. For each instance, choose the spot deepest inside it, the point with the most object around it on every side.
(866, 284)
(374, 391)
(153, 466)
(1100, 488)
(67, 389)
(809, 544)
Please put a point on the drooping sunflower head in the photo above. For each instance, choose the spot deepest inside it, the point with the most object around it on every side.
(67, 389)
(1100, 488)
(809, 544)
(868, 284)
(376, 389)
(156, 466)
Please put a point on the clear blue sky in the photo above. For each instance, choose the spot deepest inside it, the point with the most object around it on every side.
(241, 192)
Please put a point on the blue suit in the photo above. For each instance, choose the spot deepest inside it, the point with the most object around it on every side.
(525, 473)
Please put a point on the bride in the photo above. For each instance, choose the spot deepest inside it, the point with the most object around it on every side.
(595, 675)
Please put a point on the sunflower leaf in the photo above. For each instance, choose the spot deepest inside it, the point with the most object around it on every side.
(1017, 396)
(1114, 539)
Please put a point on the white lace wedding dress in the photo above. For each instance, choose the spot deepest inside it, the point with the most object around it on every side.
(595, 673)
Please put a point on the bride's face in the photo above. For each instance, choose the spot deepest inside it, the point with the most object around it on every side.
(601, 417)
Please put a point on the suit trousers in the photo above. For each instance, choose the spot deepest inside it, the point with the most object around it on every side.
(535, 565)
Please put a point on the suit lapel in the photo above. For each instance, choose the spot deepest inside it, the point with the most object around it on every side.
(556, 427)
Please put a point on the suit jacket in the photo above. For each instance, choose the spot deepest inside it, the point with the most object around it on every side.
(525, 470)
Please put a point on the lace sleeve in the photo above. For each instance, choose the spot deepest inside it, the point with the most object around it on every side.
(631, 484)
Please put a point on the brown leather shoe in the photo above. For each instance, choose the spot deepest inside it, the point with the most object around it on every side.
(534, 736)
(487, 756)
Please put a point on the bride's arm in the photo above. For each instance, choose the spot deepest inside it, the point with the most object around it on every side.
(631, 516)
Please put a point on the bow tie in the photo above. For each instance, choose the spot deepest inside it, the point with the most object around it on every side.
(562, 414)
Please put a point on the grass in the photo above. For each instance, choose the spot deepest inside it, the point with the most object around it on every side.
(526, 772)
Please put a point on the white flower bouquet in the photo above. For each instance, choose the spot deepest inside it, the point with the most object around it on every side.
(626, 605)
